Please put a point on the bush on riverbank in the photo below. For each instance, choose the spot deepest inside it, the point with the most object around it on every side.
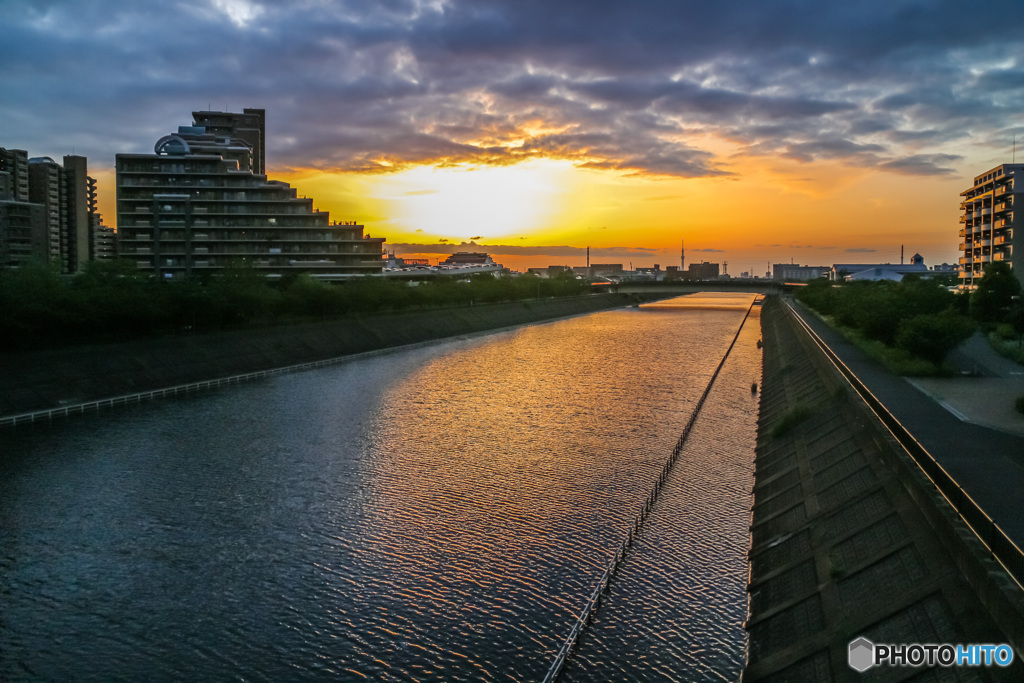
(114, 300)
(909, 326)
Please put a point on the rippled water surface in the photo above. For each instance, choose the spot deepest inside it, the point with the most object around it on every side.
(438, 513)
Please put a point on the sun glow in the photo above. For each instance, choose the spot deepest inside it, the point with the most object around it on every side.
(474, 203)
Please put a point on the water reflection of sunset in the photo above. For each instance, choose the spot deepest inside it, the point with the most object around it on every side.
(508, 453)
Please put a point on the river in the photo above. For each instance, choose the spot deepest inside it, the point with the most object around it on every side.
(438, 513)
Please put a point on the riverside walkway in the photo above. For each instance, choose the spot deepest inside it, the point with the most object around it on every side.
(850, 539)
(967, 423)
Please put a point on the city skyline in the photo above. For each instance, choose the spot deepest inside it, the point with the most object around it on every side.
(775, 132)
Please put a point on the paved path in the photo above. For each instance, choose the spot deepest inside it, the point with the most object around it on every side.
(987, 462)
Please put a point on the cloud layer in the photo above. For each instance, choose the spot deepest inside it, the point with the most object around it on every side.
(640, 88)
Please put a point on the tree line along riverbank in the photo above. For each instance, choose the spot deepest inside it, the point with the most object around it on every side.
(912, 325)
(115, 301)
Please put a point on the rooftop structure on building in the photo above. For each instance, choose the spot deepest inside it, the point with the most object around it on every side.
(988, 223)
(197, 205)
(250, 127)
(468, 258)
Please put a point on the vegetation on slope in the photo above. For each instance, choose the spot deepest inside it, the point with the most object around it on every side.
(909, 326)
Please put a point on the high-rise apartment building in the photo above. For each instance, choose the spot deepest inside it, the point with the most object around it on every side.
(81, 207)
(196, 205)
(989, 222)
(15, 162)
(47, 185)
(64, 223)
(21, 222)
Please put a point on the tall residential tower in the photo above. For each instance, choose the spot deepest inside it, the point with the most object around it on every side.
(198, 204)
(989, 222)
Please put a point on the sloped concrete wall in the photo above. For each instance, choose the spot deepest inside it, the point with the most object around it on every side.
(50, 378)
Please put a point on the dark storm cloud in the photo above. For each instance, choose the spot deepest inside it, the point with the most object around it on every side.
(633, 87)
(921, 164)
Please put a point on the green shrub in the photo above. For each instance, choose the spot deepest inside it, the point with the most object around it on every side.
(790, 419)
(1005, 331)
(932, 336)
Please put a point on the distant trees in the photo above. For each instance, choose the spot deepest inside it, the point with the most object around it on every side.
(113, 300)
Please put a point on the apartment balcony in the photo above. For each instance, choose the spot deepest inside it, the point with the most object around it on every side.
(964, 260)
(963, 246)
(1000, 256)
(982, 243)
(963, 219)
(963, 232)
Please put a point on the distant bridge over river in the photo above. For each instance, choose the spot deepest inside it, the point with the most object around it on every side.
(672, 287)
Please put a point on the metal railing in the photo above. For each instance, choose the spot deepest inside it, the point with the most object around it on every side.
(1003, 549)
(594, 601)
(78, 408)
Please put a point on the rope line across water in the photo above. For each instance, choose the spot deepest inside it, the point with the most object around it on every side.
(594, 601)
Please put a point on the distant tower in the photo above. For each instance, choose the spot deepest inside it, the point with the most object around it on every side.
(682, 255)
(725, 268)
(588, 259)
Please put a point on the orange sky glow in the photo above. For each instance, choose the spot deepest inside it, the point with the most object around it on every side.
(816, 214)
(549, 211)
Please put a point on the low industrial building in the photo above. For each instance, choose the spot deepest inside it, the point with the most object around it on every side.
(789, 272)
(877, 271)
(703, 271)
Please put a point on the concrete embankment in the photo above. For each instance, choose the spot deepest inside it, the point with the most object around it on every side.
(850, 540)
(50, 378)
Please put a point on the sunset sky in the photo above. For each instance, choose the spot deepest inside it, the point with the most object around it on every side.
(758, 131)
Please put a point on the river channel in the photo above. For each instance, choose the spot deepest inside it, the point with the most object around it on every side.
(438, 513)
